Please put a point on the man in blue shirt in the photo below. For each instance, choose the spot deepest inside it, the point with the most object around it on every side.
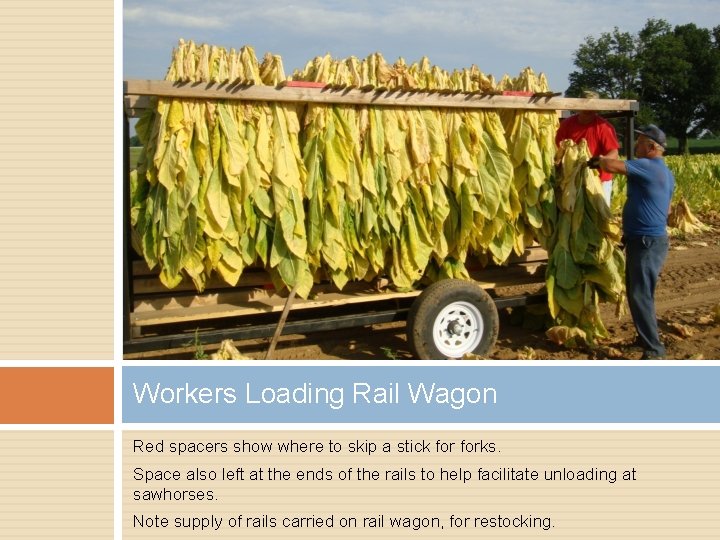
(650, 188)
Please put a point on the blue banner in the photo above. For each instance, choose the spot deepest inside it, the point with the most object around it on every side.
(420, 394)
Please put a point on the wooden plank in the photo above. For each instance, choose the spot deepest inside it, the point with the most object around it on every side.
(397, 98)
(247, 296)
(509, 276)
(531, 254)
(152, 285)
(250, 302)
(281, 324)
(140, 268)
(262, 304)
(146, 281)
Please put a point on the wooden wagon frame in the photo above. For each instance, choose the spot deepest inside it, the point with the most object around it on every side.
(158, 319)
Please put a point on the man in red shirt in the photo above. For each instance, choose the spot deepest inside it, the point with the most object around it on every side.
(599, 134)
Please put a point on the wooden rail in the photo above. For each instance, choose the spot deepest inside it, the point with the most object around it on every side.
(138, 92)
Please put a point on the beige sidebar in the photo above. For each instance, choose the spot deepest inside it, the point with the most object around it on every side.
(56, 179)
(56, 484)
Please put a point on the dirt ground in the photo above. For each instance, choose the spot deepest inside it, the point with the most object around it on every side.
(687, 294)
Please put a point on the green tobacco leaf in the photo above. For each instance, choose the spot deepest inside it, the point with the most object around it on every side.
(233, 151)
(502, 245)
(217, 205)
(567, 274)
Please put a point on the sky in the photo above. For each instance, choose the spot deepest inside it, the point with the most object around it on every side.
(502, 36)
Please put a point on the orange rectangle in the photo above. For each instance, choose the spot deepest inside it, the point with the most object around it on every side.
(517, 93)
(56, 396)
(305, 84)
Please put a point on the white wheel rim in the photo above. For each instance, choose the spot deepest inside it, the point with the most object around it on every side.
(458, 329)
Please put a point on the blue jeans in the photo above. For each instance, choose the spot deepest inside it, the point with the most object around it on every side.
(645, 256)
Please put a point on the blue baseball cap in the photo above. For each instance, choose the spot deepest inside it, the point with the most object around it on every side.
(651, 131)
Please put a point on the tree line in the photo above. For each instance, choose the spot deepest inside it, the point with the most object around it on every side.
(674, 72)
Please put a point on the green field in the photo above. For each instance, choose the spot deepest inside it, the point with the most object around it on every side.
(697, 180)
(697, 146)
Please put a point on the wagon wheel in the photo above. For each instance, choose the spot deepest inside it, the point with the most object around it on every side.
(452, 318)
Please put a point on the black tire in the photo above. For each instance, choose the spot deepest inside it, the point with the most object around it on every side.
(452, 318)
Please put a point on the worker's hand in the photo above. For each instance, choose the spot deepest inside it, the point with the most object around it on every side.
(593, 162)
